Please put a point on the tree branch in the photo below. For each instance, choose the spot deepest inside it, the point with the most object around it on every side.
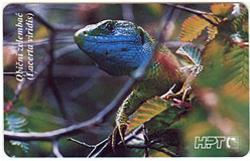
(81, 143)
(201, 14)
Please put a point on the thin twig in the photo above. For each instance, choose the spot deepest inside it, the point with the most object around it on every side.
(99, 148)
(81, 143)
(56, 150)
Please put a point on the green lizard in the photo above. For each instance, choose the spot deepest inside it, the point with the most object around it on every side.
(120, 47)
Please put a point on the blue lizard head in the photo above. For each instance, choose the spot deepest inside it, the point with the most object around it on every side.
(118, 47)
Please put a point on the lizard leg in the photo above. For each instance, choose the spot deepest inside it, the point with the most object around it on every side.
(169, 93)
(195, 70)
(183, 91)
(120, 129)
(129, 106)
(186, 85)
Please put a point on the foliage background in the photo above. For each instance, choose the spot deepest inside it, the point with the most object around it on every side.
(85, 89)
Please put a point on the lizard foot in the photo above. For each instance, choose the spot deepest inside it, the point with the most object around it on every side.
(170, 94)
(119, 131)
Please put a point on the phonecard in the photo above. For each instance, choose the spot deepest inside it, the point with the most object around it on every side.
(126, 80)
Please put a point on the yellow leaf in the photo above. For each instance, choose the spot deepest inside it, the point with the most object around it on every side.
(193, 27)
(221, 9)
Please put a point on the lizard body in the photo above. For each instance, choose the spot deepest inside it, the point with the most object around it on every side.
(120, 47)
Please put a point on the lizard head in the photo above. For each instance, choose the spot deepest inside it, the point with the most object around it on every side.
(118, 47)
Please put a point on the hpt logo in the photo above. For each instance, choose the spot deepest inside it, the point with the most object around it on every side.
(218, 142)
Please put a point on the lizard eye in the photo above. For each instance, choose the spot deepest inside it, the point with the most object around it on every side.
(110, 27)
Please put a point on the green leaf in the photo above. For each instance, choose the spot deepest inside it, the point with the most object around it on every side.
(213, 73)
(236, 61)
(237, 70)
(221, 9)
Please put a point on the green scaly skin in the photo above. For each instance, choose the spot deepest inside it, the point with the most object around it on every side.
(119, 47)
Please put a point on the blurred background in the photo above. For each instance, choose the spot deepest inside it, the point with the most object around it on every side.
(74, 83)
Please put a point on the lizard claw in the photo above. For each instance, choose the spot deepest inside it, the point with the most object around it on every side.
(118, 134)
(168, 94)
(183, 93)
(119, 131)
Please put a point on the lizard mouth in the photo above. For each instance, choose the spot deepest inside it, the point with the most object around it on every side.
(80, 36)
